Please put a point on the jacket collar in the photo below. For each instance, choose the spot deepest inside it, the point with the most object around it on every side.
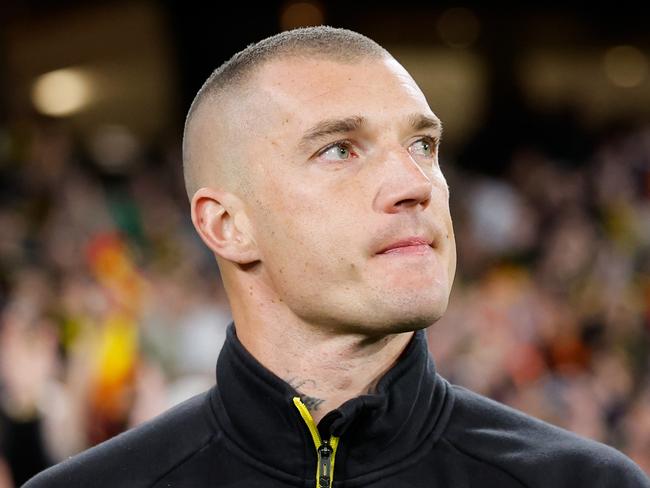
(255, 409)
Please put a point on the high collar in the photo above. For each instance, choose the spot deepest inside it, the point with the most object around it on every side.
(255, 409)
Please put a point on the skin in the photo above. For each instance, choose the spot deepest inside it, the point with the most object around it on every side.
(311, 298)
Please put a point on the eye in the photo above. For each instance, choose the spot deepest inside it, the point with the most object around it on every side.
(339, 151)
(423, 148)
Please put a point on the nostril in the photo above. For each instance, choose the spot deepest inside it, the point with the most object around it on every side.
(408, 202)
(413, 202)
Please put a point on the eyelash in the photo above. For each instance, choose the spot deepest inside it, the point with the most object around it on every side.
(429, 140)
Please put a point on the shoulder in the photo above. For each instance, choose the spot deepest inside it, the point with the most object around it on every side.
(137, 457)
(533, 451)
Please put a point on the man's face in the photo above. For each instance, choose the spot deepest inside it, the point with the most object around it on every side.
(344, 162)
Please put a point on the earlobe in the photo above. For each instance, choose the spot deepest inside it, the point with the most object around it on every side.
(217, 218)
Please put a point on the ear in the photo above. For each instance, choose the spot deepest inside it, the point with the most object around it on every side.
(220, 220)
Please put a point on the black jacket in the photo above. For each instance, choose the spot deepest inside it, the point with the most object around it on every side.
(417, 431)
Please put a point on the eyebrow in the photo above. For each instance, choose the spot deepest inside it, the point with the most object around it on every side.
(332, 126)
(421, 121)
(328, 127)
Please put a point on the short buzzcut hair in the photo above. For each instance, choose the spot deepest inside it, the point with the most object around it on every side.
(322, 42)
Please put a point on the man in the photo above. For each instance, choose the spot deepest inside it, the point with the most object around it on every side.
(311, 163)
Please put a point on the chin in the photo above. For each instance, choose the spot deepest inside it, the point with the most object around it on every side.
(408, 324)
(415, 311)
(379, 314)
(404, 319)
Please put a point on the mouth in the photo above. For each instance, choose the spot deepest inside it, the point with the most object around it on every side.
(411, 245)
(420, 250)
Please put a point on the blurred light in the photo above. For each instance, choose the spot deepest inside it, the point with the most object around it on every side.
(625, 66)
(301, 14)
(458, 27)
(61, 92)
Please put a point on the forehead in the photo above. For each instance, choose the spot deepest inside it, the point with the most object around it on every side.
(300, 91)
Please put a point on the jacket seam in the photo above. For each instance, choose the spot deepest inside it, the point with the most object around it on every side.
(184, 460)
(483, 461)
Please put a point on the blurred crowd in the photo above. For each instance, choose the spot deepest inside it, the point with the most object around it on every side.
(550, 311)
(112, 309)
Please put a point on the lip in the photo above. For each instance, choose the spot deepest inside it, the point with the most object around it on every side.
(412, 244)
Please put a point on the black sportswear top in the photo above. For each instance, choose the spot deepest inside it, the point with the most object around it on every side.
(251, 430)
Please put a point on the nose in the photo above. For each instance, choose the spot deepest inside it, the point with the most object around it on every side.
(405, 184)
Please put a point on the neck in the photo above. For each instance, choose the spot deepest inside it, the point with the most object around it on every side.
(325, 368)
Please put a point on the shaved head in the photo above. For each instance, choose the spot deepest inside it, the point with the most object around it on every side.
(213, 142)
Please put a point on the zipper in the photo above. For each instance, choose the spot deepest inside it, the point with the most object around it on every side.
(325, 449)
(325, 462)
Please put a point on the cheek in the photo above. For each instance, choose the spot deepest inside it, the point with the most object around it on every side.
(317, 227)
(288, 225)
